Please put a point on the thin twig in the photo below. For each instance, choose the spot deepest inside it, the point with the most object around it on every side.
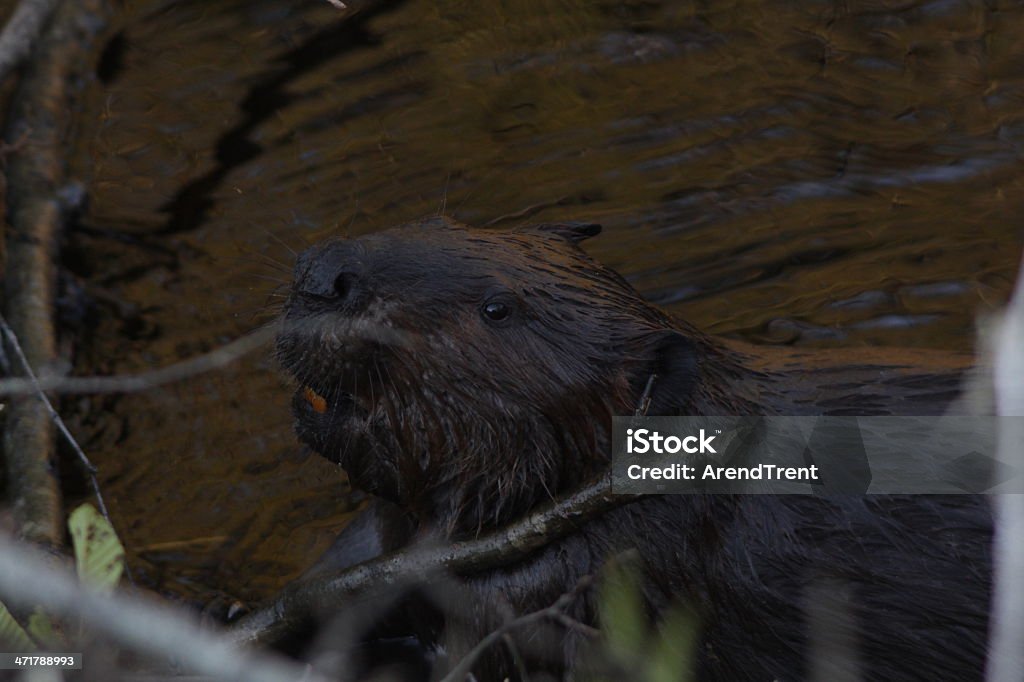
(517, 658)
(22, 31)
(139, 623)
(645, 398)
(555, 612)
(90, 468)
(528, 211)
(143, 381)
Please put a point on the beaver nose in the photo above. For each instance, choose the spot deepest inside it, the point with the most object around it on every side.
(330, 271)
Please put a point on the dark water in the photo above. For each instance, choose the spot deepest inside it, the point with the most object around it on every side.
(815, 173)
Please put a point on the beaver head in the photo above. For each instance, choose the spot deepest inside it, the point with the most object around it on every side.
(469, 374)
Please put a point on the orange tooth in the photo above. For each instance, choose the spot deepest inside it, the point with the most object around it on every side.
(316, 401)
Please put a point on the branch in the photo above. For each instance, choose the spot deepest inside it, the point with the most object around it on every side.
(504, 546)
(40, 119)
(1006, 657)
(143, 381)
(28, 580)
(90, 468)
(555, 612)
(22, 31)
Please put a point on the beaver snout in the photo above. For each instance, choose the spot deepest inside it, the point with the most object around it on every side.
(332, 272)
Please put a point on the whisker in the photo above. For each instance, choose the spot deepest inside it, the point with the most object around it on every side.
(347, 232)
(263, 260)
(444, 196)
(281, 242)
(269, 278)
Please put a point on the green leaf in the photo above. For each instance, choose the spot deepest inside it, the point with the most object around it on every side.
(624, 619)
(99, 556)
(674, 657)
(45, 630)
(12, 636)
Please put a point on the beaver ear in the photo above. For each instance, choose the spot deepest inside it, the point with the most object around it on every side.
(672, 359)
(573, 232)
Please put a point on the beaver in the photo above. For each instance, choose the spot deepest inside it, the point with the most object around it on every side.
(464, 376)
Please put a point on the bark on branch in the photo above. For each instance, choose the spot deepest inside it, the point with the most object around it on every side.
(40, 119)
(298, 602)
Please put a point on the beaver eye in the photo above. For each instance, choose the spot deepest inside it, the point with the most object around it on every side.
(496, 311)
(499, 309)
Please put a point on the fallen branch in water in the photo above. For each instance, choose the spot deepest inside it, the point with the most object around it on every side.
(28, 580)
(299, 601)
(40, 121)
(22, 31)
